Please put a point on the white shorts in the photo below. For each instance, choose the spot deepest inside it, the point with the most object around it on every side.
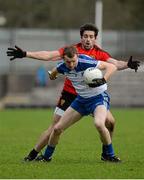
(59, 111)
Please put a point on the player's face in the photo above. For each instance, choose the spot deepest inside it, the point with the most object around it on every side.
(71, 63)
(88, 39)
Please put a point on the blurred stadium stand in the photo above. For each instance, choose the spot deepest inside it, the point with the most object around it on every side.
(17, 78)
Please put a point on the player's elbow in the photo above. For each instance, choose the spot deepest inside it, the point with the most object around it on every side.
(112, 67)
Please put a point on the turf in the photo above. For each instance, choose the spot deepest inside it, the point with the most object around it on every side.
(77, 155)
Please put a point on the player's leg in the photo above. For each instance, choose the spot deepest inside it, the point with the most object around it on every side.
(43, 140)
(64, 102)
(100, 114)
(110, 122)
(59, 111)
(70, 117)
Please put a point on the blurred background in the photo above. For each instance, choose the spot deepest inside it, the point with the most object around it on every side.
(36, 25)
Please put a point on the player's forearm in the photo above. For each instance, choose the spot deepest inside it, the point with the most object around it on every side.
(121, 65)
(44, 55)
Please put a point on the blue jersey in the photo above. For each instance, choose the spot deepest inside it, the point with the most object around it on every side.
(76, 76)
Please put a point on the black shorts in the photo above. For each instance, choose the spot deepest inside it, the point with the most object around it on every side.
(65, 100)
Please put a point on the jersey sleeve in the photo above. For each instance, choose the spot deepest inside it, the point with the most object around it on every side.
(61, 68)
(103, 55)
(61, 50)
(94, 64)
(98, 63)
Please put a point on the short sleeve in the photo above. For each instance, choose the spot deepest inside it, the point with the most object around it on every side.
(61, 68)
(61, 50)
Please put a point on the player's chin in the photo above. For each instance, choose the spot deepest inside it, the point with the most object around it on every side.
(87, 46)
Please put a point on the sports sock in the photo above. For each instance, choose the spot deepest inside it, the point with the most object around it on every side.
(49, 151)
(108, 150)
(33, 153)
(103, 148)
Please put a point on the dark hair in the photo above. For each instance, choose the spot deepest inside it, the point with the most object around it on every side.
(88, 27)
(70, 51)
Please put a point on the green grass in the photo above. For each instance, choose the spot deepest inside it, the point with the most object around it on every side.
(78, 154)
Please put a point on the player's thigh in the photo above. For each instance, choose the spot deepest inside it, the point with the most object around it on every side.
(65, 100)
(69, 117)
(100, 115)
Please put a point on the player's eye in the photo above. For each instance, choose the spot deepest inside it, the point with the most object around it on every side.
(91, 37)
(85, 36)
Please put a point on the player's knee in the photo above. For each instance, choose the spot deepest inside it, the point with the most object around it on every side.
(99, 125)
(57, 130)
(48, 131)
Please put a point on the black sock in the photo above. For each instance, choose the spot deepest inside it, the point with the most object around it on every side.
(33, 154)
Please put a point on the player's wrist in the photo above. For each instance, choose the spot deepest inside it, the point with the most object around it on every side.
(24, 54)
(97, 83)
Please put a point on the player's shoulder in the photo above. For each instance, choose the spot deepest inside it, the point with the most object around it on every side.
(60, 65)
(99, 49)
(79, 44)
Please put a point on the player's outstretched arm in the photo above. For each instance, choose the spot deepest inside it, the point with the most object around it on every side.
(17, 52)
(121, 65)
(44, 55)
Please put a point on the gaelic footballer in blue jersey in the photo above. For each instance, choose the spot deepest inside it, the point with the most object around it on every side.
(89, 100)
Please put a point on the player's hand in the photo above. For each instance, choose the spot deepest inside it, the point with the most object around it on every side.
(133, 64)
(15, 53)
(97, 82)
(51, 77)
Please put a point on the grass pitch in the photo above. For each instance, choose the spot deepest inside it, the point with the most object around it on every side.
(77, 155)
